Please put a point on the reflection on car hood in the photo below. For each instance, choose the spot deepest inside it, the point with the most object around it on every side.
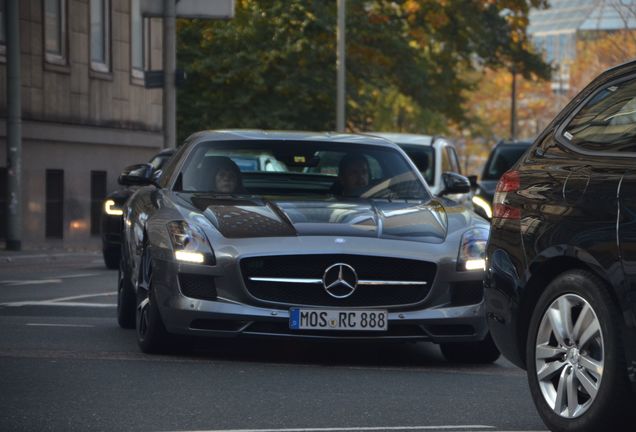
(284, 216)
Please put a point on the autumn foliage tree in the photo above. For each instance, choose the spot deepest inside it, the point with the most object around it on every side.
(409, 63)
(537, 102)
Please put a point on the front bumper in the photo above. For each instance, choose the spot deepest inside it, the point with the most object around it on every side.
(436, 319)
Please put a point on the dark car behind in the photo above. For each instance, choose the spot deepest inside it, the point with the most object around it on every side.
(111, 222)
(503, 156)
(560, 287)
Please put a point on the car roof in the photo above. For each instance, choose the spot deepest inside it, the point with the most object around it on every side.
(405, 138)
(248, 134)
(515, 143)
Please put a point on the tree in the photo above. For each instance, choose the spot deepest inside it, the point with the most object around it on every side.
(408, 63)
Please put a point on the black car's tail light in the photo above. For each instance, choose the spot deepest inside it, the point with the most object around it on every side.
(509, 182)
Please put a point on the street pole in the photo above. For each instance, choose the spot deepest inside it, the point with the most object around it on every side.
(341, 68)
(169, 67)
(513, 106)
(14, 128)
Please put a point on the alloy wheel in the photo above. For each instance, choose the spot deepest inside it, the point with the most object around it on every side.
(569, 355)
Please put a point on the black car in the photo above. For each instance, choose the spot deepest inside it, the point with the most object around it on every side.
(504, 155)
(111, 223)
(560, 288)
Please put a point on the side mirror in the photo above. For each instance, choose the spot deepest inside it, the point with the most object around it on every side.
(137, 175)
(473, 181)
(454, 184)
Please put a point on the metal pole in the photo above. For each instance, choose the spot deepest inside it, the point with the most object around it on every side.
(169, 67)
(513, 106)
(14, 128)
(341, 68)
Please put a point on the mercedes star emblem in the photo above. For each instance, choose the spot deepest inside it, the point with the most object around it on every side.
(340, 280)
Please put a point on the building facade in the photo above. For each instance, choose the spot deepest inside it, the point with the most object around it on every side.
(85, 112)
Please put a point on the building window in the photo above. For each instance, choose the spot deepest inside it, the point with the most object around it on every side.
(98, 193)
(140, 40)
(55, 31)
(100, 35)
(54, 204)
(3, 30)
(136, 39)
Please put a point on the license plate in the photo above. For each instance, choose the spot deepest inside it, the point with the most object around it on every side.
(337, 319)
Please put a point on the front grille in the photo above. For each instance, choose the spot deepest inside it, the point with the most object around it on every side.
(197, 286)
(368, 268)
(467, 293)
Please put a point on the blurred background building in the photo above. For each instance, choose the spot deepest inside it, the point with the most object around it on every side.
(85, 111)
(556, 30)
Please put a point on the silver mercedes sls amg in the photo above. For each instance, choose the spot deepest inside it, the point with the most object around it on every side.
(300, 235)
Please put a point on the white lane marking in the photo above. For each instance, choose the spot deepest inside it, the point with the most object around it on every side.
(79, 275)
(57, 325)
(30, 282)
(84, 296)
(58, 303)
(57, 279)
(62, 301)
(345, 429)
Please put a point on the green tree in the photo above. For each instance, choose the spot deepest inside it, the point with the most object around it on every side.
(408, 63)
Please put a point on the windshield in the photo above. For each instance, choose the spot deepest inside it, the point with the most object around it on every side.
(501, 160)
(270, 167)
(424, 159)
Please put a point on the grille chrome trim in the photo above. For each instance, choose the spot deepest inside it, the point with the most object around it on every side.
(319, 281)
(286, 280)
(390, 282)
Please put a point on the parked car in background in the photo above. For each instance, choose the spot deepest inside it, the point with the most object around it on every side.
(111, 221)
(347, 243)
(561, 279)
(434, 157)
(503, 156)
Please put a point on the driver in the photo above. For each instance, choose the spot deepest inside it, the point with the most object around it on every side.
(353, 175)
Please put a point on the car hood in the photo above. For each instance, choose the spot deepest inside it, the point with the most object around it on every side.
(285, 216)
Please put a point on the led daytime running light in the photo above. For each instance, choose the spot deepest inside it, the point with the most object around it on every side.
(111, 209)
(190, 257)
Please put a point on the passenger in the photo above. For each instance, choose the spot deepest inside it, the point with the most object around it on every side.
(353, 175)
(224, 175)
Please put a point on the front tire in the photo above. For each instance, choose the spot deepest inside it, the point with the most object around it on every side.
(576, 364)
(126, 299)
(152, 336)
(471, 352)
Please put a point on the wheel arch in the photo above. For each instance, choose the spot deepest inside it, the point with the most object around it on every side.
(543, 270)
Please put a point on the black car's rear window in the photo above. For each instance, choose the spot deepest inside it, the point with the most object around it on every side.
(607, 122)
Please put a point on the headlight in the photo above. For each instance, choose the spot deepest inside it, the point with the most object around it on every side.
(472, 252)
(483, 204)
(190, 243)
(110, 208)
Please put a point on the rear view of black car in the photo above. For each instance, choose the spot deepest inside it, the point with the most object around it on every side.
(561, 270)
(504, 155)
